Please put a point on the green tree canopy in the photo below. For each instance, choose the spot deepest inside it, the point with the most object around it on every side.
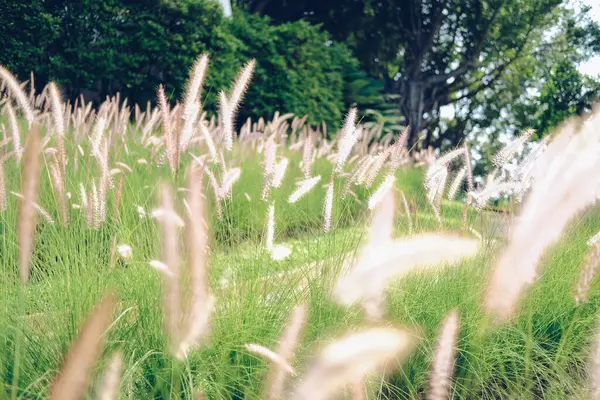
(437, 53)
(100, 47)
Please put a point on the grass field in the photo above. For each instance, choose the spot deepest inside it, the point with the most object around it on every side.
(543, 352)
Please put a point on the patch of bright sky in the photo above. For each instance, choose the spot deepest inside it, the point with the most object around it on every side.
(592, 66)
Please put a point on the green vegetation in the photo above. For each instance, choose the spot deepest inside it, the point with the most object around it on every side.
(98, 48)
(543, 353)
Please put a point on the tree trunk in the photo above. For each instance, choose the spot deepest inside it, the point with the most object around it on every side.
(411, 105)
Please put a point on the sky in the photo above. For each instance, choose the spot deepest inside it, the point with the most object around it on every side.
(592, 67)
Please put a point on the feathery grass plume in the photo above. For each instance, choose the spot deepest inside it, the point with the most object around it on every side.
(347, 139)
(2, 187)
(513, 147)
(288, 342)
(375, 166)
(475, 233)
(280, 169)
(201, 302)
(230, 106)
(407, 212)
(118, 196)
(111, 381)
(191, 103)
(269, 171)
(231, 176)
(270, 235)
(45, 215)
(15, 90)
(450, 156)
(443, 363)
(269, 355)
(170, 137)
(58, 119)
(384, 259)
(170, 257)
(59, 189)
(93, 208)
(98, 133)
(72, 380)
(84, 197)
(594, 239)
(469, 169)
(480, 199)
(351, 358)
(307, 156)
(586, 277)
(458, 180)
(397, 150)
(14, 130)
(216, 190)
(381, 191)
(303, 187)
(210, 144)
(30, 179)
(362, 169)
(225, 119)
(328, 207)
(594, 367)
(565, 184)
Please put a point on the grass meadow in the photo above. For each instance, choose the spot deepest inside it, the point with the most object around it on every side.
(102, 181)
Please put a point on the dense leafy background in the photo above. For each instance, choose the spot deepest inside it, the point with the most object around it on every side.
(99, 48)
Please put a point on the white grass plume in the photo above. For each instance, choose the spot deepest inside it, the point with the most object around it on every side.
(469, 169)
(15, 90)
(307, 156)
(382, 191)
(27, 221)
(201, 302)
(58, 118)
(191, 103)
(351, 358)
(511, 148)
(565, 184)
(443, 363)
(594, 367)
(170, 257)
(269, 355)
(14, 130)
(328, 208)
(384, 259)
(455, 185)
(594, 239)
(230, 106)
(170, 137)
(2, 188)
(72, 380)
(588, 272)
(280, 169)
(270, 235)
(288, 342)
(407, 213)
(231, 176)
(111, 381)
(347, 140)
(303, 187)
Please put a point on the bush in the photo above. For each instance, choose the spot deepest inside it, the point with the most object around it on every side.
(98, 48)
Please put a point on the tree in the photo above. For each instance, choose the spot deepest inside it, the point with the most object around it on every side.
(433, 53)
(101, 47)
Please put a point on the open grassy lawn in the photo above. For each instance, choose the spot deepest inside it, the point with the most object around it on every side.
(543, 353)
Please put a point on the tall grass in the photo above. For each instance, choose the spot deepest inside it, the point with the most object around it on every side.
(171, 211)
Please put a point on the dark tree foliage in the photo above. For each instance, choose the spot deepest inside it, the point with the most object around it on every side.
(436, 53)
(100, 47)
